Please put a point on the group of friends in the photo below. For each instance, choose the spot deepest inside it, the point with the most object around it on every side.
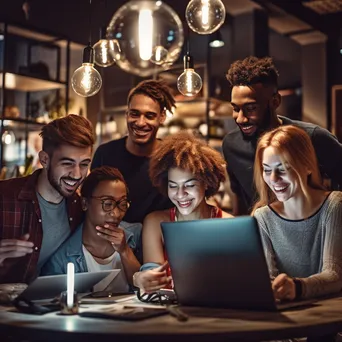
(110, 217)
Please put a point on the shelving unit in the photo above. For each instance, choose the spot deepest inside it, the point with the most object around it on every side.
(34, 83)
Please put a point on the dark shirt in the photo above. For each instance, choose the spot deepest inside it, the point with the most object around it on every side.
(20, 214)
(143, 196)
(239, 155)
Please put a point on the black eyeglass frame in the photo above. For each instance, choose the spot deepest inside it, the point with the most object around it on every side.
(115, 203)
(156, 298)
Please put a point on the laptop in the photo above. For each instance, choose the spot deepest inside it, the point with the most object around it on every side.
(51, 286)
(220, 263)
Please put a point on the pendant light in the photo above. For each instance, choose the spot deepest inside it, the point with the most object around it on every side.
(205, 16)
(86, 80)
(189, 83)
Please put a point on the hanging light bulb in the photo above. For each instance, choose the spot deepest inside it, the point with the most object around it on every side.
(8, 137)
(106, 51)
(159, 55)
(189, 83)
(205, 16)
(150, 34)
(86, 80)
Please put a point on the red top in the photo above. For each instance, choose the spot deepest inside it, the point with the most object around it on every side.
(215, 213)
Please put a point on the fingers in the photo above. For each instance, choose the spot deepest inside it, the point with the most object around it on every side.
(20, 249)
(152, 285)
(14, 243)
(163, 267)
(112, 227)
(283, 287)
(117, 233)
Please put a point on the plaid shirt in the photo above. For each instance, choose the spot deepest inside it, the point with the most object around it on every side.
(20, 214)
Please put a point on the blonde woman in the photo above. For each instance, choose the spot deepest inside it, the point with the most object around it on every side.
(300, 222)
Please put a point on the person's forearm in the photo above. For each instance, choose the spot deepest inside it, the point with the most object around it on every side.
(324, 283)
(130, 264)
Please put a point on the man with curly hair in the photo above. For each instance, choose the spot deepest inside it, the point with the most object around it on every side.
(147, 105)
(255, 99)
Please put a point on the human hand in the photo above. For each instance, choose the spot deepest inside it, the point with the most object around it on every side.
(115, 235)
(15, 248)
(284, 287)
(153, 280)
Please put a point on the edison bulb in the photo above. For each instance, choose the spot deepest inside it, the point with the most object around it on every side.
(86, 80)
(205, 16)
(106, 52)
(189, 83)
(159, 55)
(140, 28)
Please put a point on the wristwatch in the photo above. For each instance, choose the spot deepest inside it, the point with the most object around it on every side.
(298, 288)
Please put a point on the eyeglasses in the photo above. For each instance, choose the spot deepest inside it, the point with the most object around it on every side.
(109, 204)
(156, 298)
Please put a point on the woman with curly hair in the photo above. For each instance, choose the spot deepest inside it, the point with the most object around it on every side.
(188, 171)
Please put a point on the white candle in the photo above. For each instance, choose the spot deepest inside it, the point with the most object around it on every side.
(70, 284)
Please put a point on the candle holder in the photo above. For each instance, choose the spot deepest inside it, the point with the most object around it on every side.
(68, 309)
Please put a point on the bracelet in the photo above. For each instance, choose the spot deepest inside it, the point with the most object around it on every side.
(135, 275)
(298, 288)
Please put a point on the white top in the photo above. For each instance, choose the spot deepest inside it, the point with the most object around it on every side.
(119, 283)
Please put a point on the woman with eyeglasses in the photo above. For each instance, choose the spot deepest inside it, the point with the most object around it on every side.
(189, 172)
(103, 241)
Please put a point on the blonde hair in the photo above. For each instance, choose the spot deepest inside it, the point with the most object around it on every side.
(296, 151)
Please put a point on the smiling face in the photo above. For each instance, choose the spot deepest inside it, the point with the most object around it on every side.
(66, 168)
(280, 178)
(185, 191)
(144, 117)
(254, 108)
(106, 193)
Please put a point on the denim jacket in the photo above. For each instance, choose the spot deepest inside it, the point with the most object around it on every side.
(71, 250)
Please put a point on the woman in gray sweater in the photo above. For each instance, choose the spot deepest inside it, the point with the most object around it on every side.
(300, 222)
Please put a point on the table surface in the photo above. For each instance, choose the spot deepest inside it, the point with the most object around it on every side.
(204, 324)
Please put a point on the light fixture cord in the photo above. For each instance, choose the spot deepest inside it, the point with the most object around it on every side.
(89, 22)
(188, 42)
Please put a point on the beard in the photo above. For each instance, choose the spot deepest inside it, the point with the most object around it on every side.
(262, 127)
(56, 184)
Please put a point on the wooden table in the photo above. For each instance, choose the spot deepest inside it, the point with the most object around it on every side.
(322, 317)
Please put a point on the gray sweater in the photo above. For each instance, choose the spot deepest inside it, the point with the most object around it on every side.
(309, 249)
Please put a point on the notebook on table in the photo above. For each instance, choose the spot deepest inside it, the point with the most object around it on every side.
(220, 263)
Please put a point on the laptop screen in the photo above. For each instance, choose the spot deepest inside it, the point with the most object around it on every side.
(218, 263)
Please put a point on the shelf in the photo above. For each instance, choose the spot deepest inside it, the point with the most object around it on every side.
(27, 83)
(21, 120)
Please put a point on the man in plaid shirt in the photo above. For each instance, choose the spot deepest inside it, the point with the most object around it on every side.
(38, 212)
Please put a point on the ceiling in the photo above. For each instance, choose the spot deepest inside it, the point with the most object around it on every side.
(71, 18)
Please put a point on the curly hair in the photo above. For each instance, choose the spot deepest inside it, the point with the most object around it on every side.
(72, 130)
(296, 150)
(98, 175)
(187, 152)
(252, 70)
(156, 90)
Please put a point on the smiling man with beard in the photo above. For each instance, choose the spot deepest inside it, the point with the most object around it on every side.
(255, 99)
(147, 105)
(38, 212)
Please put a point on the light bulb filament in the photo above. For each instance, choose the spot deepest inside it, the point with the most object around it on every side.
(188, 82)
(86, 79)
(104, 52)
(145, 34)
(205, 12)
